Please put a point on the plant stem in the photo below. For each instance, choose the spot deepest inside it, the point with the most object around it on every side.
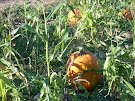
(134, 46)
(47, 37)
(25, 11)
(25, 16)
(134, 36)
(9, 17)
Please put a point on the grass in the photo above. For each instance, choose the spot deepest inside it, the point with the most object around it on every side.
(35, 44)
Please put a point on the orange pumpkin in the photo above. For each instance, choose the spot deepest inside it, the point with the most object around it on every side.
(127, 14)
(79, 62)
(72, 19)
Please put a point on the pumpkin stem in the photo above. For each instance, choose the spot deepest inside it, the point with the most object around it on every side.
(81, 51)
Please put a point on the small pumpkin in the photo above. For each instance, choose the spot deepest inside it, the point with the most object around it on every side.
(79, 62)
(127, 14)
(72, 19)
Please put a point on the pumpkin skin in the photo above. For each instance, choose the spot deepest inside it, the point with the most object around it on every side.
(127, 14)
(77, 64)
(71, 16)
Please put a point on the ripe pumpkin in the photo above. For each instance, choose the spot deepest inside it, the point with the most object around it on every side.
(79, 62)
(72, 19)
(127, 14)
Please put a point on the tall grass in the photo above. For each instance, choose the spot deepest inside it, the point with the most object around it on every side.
(47, 37)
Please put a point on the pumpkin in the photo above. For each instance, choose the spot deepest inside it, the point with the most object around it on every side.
(79, 62)
(127, 14)
(72, 18)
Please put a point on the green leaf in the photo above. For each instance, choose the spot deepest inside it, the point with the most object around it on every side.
(29, 28)
(80, 86)
(2, 90)
(82, 10)
(65, 30)
(2, 28)
(107, 64)
(86, 15)
(120, 38)
(116, 49)
(57, 47)
(2, 66)
(52, 76)
(97, 70)
(103, 43)
(6, 81)
(82, 35)
(130, 87)
(71, 8)
(14, 69)
(45, 90)
(15, 31)
(111, 23)
(5, 62)
(132, 54)
(55, 10)
(110, 86)
(107, 61)
(28, 5)
(32, 30)
(5, 44)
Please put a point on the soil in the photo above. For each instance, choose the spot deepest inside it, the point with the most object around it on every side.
(5, 3)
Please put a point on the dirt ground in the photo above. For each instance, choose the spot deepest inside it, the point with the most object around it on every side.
(5, 3)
